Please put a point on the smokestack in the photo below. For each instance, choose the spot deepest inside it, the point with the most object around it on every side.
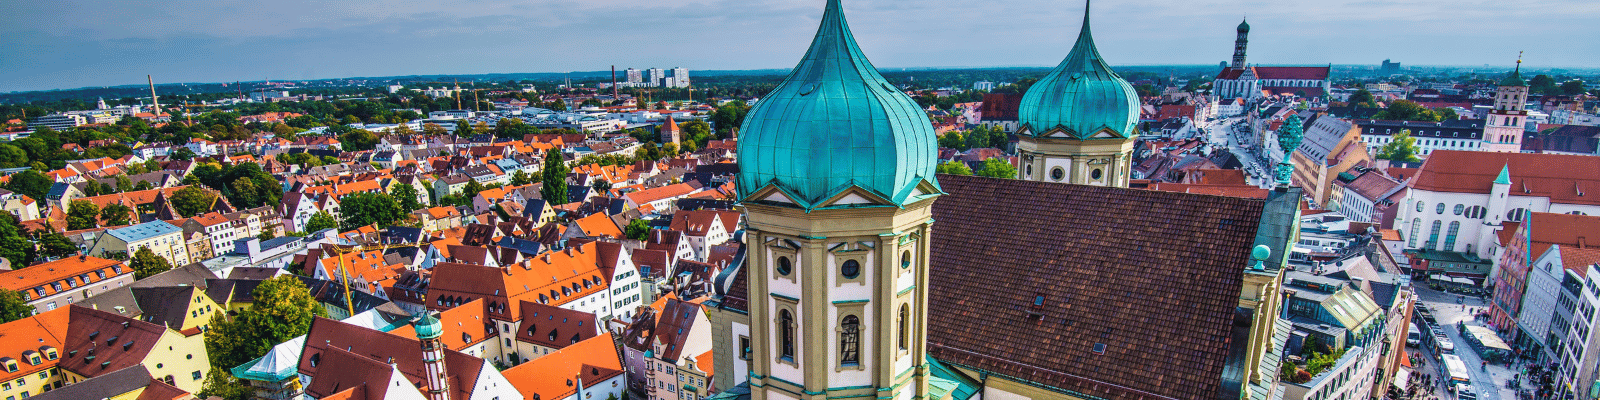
(153, 99)
(614, 84)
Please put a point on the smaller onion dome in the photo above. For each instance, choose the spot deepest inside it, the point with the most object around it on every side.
(1082, 97)
(1244, 27)
(428, 327)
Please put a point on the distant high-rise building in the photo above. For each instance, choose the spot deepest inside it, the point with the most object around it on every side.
(634, 76)
(1390, 67)
(985, 85)
(657, 76)
(680, 77)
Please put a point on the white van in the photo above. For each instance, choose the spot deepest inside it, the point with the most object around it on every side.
(1414, 338)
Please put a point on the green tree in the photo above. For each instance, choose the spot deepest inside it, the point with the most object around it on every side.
(143, 185)
(1543, 84)
(953, 140)
(321, 220)
(221, 384)
(407, 196)
(14, 245)
(1363, 98)
(123, 183)
(1572, 88)
(12, 156)
(520, 178)
(362, 209)
(729, 117)
(696, 131)
(13, 307)
(997, 168)
(472, 189)
(600, 185)
(463, 128)
(637, 229)
(117, 215)
(954, 168)
(146, 263)
(30, 183)
(55, 245)
(1406, 110)
(358, 140)
(1403, 148)
(82, 214)
(283, 308)
(265, 235)
(192, 201)
(555, 178)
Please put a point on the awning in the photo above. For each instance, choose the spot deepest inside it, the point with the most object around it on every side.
(1405, 361)
(1401, 378)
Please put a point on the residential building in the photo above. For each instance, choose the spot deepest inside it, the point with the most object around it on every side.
(341, 359)
(52, 350)
(160, 237)
(587, 370)
(61, 282)
(1531, 274)
(1369, 197)
(705, 228)
(1455, 134)
(1331, 147)
(1457, 201)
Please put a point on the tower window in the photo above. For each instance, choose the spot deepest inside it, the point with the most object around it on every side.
(851, 269)
(784, 266)
(905, 259)
(1096, 174)
(905, 314)
(786, 335)
(1057, 174)
(850, 341)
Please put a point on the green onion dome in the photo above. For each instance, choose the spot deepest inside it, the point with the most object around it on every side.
(834, 124)
(1082, 97)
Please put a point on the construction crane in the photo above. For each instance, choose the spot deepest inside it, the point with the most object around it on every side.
(344, 274)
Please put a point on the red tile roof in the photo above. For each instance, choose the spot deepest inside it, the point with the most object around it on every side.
(80, 271)
(555, 375)
(1564, 179)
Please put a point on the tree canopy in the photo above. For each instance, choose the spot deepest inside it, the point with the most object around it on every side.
(245, 185)
(1403, 148)
(319, 221)
(30, 183)
(997, 168)
(146, 263)
(407, 196)
(283, 308)
(1406, 110)
(953, 168)
(82, 214)
(14, 245)
(191, 201)
(362, 209)
(13, 307)
(555, 178)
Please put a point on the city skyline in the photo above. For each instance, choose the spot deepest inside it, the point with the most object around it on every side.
(76, 44)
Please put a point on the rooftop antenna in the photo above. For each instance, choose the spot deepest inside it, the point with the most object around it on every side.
(1519, 62)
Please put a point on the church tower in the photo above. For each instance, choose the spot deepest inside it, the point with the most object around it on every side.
(429, 329)
(1078, 121)
(1239, 45)
(1502, 133)
(837, 181)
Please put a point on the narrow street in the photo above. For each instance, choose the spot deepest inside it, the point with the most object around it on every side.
(1490, 383)
(1222, 134)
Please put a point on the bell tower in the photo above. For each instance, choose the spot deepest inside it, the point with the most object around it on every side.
(428, 331)
(1240, 44)
(1502, 133)
(837, 182)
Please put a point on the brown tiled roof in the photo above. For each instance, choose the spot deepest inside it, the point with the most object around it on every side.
(1562, 178)
(1158, 287)
(90, 328)
(1566, 230)
(328, 337)
(554, 327)
(673, 326)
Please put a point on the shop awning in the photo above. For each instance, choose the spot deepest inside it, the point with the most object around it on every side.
(1402, 378)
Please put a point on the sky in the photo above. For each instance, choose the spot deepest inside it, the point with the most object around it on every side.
(70, 44)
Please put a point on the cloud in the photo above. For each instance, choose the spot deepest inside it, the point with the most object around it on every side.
(82, 43)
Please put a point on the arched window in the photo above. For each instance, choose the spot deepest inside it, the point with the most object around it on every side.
(1517, 215)
(1433, 235)
(905, 316)
(1450, 236)
(1416, 230)
(905, 259)
(1460, 208)
(1440, 209)
(786, 335)
(850, 341)
(1420, 206)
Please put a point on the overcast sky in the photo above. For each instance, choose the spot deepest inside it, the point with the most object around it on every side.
(70, 44)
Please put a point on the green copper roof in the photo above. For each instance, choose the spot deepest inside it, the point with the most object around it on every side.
(428, 327)
(1244, 26)
(835, 123)
(1082, 96)
(1515, 78)
(1505, 176)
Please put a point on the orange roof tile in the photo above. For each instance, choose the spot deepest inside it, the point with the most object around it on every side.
(664, 192)
(555, 375)
(599, 224)
(30, 334)
(61, 275)
(464, 326)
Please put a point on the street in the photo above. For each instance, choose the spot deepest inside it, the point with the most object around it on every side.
(1490, 383)
(1222, 134)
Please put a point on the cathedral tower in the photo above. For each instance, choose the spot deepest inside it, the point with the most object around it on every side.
(1502, 133)
(1239, 45)
(1078, 121)
(837, 180)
